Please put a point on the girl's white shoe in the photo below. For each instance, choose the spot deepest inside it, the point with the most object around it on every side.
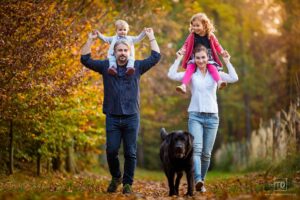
(221, 84)
(181, 88)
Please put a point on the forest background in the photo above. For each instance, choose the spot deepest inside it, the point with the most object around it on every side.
(51, 106)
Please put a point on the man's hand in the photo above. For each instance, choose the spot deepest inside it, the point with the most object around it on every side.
(86, 49)
(149, 32)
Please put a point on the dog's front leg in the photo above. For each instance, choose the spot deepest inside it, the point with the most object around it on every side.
(177, 182)
(171, 176)
(190, 181)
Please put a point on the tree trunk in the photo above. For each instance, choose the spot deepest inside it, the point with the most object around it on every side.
(276, 133)
(48, 165)
(70, 160)
(298, 135)
(38, 164)
(56, 163)
(292, 85)
(140, 149)
(246, 96)
(102, 157)
(248, 116)
(289, 79)
(11, 148)
(38, 145)
(290, 26)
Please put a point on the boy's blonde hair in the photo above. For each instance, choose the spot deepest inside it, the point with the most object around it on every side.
(207, 24)
(121, 23)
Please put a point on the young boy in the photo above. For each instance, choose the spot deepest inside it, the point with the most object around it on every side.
(122, 29)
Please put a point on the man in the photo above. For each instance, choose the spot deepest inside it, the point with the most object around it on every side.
(121, 106)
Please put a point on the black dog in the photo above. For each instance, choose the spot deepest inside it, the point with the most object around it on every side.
(176, 154)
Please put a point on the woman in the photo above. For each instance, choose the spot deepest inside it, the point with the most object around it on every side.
(203, 109)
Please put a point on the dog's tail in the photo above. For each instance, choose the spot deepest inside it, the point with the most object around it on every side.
(163, 133)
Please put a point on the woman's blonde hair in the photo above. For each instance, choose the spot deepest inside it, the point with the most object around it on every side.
(121, 23)
(206, 22)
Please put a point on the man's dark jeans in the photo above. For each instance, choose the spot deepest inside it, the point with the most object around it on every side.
(118, 128)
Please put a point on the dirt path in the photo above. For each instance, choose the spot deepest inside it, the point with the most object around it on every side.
(92, 186)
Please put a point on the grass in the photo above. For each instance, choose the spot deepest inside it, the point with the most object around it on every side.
(160, 176)
(149, 175)
(144, 174)
(217, 175)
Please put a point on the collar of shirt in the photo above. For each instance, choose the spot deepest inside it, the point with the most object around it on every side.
(121, 37)
(198, 72)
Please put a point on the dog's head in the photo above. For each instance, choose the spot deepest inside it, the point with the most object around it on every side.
(180, 143)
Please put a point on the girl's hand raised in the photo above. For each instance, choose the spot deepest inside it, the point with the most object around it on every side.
(226, 56)
(180, 53)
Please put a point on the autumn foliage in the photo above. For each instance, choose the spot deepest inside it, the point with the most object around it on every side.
(51, 105)
(47, 98)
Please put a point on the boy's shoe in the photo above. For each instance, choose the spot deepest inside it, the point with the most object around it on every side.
(200, 186)
(221, 84)
(112, 71)
(181, 88)
(113, 186)
(130, 71)
(127, 189)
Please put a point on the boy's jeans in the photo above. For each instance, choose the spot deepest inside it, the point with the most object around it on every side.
(204, 127)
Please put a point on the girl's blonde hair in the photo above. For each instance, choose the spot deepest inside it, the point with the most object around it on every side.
(121, 23)
(207, 24)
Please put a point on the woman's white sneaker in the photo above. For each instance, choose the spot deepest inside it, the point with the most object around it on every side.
(200, 186)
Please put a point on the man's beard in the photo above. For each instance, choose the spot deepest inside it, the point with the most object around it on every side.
(122, 59)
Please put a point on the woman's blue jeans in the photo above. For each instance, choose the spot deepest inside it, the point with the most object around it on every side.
(204, 127)
(118, 128)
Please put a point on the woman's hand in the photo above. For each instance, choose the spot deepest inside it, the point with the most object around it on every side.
(96, 32)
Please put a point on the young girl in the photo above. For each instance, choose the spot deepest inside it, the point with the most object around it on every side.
(122, 29)
(201, 34)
